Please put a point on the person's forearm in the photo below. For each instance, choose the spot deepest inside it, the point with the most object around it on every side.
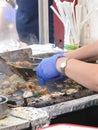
(86, 52)
(81, 72)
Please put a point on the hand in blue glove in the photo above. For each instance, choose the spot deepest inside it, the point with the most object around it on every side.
(47, 71)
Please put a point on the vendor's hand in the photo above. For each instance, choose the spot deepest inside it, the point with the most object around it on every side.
(47, 71)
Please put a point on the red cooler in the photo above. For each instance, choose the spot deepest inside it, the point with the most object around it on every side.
(68, 127)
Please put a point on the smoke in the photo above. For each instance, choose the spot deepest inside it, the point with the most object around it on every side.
(8, 33)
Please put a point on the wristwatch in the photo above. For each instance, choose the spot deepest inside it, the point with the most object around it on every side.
(63, 65)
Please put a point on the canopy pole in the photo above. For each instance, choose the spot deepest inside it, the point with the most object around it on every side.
(43, 21)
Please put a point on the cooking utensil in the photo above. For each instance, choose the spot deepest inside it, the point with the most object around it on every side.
(25, 73)
(3, 107)
(17, 55)
(8, 60)
(4, 68)
(26, 70)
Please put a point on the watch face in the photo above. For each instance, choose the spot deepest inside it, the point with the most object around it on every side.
(63, 65)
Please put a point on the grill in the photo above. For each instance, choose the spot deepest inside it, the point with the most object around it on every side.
(49, 96)
(42, 96)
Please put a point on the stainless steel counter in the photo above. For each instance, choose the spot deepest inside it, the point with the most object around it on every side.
(24, 117)
(70, 106)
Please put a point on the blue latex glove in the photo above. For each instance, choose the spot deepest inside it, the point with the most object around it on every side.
(46, 70)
